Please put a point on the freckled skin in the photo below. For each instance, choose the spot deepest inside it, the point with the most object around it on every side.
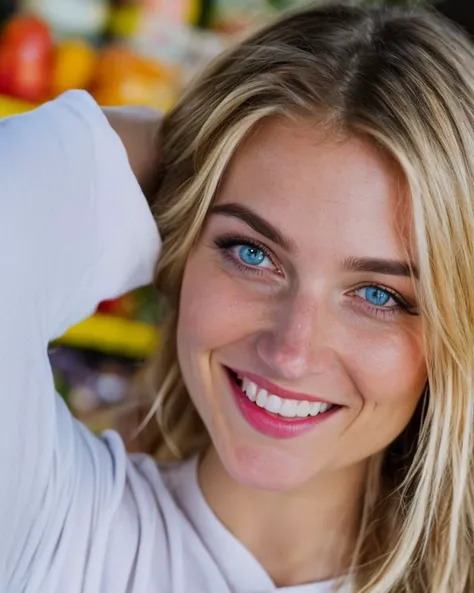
(298, 322)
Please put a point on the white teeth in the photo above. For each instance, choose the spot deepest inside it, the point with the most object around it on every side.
(303, 409)
(262, 398)
(250, 390)
(288, 408)
(273, 404)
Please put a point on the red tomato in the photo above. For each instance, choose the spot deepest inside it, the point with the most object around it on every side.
(124, 306)
(26, 54)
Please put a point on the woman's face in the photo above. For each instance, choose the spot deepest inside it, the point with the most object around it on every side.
(299, 295)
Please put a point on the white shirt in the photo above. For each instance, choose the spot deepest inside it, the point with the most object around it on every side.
(77, 514)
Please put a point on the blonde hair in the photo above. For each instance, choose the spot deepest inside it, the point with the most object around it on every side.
(404, 79)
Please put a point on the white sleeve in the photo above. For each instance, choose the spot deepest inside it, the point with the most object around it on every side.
(75, 229)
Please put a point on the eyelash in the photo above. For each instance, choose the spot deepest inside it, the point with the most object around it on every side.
(227, 242)
(401, 306)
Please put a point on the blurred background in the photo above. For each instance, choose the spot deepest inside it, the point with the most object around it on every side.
(124, 52)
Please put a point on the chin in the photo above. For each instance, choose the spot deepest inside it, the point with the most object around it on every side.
(264, 467)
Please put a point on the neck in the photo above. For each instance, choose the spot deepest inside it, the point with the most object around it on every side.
(303, 536)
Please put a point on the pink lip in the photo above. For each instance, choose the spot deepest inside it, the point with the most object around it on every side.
(272, 425)
(275, 390)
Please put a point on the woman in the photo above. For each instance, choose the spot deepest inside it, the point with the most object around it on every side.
(314, 382)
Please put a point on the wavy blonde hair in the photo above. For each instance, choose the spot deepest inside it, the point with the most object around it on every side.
(406, 81)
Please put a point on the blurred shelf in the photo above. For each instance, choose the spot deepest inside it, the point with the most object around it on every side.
(113, 335)
(9, 106)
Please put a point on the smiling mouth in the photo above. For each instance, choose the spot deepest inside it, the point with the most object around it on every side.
(283, 408)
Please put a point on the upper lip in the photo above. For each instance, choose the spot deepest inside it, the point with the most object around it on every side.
(275, 390)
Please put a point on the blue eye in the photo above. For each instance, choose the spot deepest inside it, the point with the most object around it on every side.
(246, 254)
(251, 256)
(377, 296)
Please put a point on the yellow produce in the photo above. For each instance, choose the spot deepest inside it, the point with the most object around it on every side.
(124, 78)
(74, 64)
(10, 106)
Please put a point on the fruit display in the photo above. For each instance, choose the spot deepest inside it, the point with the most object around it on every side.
(36, 65)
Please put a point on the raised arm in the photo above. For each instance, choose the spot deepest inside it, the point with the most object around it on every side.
(75, 229)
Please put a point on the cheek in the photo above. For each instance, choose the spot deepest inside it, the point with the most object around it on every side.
(392, 366)
(212, 305)
(390, 373)
(388, 370)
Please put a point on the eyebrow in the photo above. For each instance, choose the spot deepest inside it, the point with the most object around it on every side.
(256, 222)
(374, 265)
(390, 267)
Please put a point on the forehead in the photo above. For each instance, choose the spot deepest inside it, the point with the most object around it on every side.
(317, 188)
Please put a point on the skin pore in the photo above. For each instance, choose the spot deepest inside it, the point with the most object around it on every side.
(300, 277)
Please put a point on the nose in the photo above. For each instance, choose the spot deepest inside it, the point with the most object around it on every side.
(298, 342)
